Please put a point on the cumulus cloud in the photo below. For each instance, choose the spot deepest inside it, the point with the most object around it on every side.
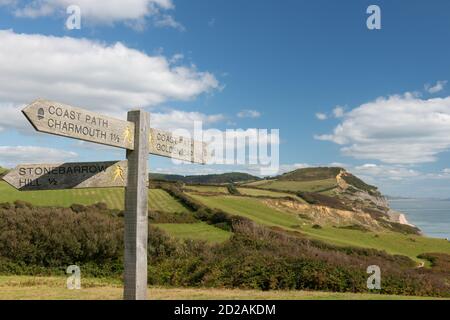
(13, 155)
(176, 119)
(321, 116)
(247, 113)
(168, 21)
(400, 129)
(105, 12)
(439, 86)
(104, 78)
(385, 172)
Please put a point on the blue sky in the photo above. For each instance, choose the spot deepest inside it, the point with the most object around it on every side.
(374, 101)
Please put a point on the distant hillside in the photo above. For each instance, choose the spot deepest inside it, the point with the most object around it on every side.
(334, 187)
(310, 174)
(165, 177)
(206, 179)
(322, 173)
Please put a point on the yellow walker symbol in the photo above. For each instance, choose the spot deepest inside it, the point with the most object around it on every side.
(127, 134)
(118, 173)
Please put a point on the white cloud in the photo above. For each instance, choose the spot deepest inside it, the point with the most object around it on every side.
(105, 12)
(385, 172)
(13, 155)
(446, 171)
(402, 129)
(247, 113)
(439, 86)
(176, 119)
(321, 116)
(168, 21)
(338, 112)
(105, 78)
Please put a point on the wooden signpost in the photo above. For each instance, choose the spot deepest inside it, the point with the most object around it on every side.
(134, 135)
(67, 121)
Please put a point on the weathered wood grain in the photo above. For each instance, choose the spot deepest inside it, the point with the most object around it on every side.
(136, 210)
(72, 122)
(166, 144)
(67, 121)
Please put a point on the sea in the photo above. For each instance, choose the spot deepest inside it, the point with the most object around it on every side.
(430, 216)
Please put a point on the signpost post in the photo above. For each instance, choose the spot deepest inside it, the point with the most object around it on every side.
(136, 210)
(134, 135)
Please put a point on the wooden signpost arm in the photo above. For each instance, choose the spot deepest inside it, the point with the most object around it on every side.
(136, 210)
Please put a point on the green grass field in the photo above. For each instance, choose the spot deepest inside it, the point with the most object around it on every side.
(113, 197)
(265, 193)
(296, 186)
(54, 288)
(251, 208)
(195, 231)
(215, 189)
(391, 242)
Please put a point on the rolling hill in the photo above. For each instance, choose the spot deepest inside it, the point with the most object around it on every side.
(232, 177)
(309, 214)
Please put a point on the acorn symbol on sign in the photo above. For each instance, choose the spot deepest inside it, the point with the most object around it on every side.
(40, 113)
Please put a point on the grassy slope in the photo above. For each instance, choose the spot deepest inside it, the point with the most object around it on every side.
(208, 189)
(196, 231)
(113, 197)
(29, 288)
(265, 193)
(394, 243)
(296, 186)
(250, 208)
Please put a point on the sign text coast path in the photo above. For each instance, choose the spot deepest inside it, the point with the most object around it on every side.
(72, 122)
(64, 120)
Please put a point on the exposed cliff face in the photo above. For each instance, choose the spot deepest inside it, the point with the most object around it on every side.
(359, 195)
(358, 202)
(323, 215)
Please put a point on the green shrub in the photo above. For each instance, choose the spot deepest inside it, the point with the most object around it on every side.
(78, 208)
(44, 241)
(232, 189)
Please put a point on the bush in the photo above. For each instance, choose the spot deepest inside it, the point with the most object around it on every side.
(5, 205)
(19, 204)
(170, 217)
(78, 208)
(232, 189)
(323, 200)
(46, 240)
